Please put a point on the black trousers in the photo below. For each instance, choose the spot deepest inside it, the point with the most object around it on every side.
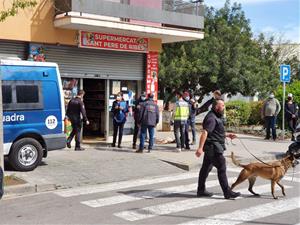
(292, 123)
(76, 131)
(118, 126)
(217, 160)
(135, 133)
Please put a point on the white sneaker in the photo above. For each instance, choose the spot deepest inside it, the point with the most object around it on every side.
(178, 150)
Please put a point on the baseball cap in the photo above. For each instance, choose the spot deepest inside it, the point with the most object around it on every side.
(290, 95)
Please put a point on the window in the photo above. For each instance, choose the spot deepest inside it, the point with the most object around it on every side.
(6, 94)
(22, 95)
(27, 93)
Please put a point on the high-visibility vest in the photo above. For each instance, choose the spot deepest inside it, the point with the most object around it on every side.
(182, 110)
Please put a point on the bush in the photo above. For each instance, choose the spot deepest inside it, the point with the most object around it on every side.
(255, 115)
(237, 113)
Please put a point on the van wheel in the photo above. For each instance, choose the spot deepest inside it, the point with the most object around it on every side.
(26, 154)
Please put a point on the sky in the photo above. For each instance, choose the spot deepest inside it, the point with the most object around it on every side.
(271, 17)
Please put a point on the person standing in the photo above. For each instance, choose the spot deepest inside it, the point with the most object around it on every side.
(192, 122)
(291, 114)
(212, 143)
(270, 111)
(192, 113)
(119, 110)
(148, 119)
(180, 116)
(139, 102)
(76, 111)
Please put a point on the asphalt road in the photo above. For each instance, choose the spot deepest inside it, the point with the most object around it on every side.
(167, 199)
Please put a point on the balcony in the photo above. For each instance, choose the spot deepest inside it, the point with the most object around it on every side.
(169, 20)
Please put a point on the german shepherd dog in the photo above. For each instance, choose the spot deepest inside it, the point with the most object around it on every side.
(273, 171)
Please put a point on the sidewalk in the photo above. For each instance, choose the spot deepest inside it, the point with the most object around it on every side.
(103, 164)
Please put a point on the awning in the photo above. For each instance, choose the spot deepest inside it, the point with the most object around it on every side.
(87, 22)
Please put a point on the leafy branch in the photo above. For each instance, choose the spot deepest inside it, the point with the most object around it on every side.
(16, 5)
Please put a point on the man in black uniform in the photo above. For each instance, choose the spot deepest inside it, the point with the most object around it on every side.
(75, 108)
(136, 114)
(212, 142)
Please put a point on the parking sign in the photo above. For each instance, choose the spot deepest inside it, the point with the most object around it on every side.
(285, 73)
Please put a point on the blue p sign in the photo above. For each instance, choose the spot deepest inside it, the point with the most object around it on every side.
(285, 73)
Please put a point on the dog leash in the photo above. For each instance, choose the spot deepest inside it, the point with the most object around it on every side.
(245, 147)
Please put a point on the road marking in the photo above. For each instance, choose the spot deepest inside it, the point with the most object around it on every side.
(287, 178)
(147, 194)
(250, 214)
(178, 206)
(124, 184)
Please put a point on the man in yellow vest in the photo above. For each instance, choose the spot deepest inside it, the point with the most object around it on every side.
(180, 116)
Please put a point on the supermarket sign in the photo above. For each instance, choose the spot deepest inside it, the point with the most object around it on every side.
(113, 42)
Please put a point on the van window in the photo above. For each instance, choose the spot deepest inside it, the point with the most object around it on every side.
(6, 94)
(27, 93)
(22, 95)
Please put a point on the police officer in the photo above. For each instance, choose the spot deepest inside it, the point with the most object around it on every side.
(148, 119)
(180, 116)
(74, 111)
(136, 112)
(212, 143)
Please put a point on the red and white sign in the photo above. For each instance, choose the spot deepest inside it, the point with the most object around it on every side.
(113, 42)
(152, 74)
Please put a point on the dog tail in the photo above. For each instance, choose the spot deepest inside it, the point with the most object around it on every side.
(235, 162)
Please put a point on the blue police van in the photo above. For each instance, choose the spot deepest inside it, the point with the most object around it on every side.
(33, 112)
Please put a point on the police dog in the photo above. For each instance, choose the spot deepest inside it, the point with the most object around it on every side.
(273, 171)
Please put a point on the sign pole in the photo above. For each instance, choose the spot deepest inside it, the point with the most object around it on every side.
(283, 110)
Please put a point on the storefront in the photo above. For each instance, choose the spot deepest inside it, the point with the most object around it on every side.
(102, 65)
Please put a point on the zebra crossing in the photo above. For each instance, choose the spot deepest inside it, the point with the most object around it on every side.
(163, 197)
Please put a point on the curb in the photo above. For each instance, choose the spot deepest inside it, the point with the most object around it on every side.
(22, 189)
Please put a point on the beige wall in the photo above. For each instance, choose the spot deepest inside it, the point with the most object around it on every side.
(36, 25)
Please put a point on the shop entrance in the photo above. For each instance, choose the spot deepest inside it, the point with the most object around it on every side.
(94, 101)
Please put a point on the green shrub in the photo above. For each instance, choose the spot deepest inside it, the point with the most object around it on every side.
(237, 113)
(255, 115)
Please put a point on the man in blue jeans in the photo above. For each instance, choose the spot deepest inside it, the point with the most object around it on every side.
(148, 119)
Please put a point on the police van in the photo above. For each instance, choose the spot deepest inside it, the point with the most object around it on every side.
(33, 112)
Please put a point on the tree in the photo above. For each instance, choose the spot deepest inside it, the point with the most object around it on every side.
(228, 58)
(15, 7)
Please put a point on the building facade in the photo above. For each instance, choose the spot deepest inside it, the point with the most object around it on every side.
(101, 46)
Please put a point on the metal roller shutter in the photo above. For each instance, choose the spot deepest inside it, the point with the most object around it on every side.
(11, 49)
(95, 63)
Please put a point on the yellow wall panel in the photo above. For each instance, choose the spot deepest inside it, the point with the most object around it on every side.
(35, 25)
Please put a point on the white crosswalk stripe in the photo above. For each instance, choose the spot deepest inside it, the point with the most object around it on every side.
(124, 184)
(250, 214)
(148, 194)
(179, 206)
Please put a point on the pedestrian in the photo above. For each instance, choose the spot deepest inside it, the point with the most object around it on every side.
(291, 114)
(270, 111)
(75, 113)
(180, 116)
(148, 119)
(136, 112)
(119, 110)
(212, 143)
(190, 121)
